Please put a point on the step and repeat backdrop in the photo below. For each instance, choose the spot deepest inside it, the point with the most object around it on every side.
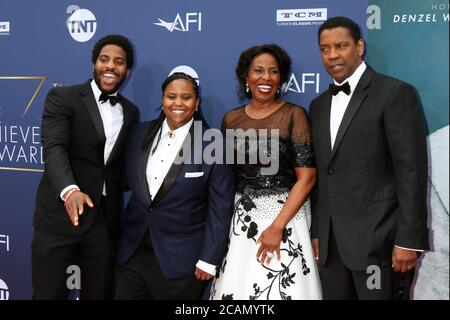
(48, 43)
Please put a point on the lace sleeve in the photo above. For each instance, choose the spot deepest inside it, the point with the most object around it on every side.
(301, 139)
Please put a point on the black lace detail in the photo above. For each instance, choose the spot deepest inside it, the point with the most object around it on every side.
(290, 127)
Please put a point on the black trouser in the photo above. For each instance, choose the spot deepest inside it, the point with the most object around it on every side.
(341, 283)
(141, 278)
(93, 252)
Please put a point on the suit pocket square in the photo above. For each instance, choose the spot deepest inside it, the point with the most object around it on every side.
(193, 174)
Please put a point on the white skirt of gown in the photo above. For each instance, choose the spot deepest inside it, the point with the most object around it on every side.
(242, 277)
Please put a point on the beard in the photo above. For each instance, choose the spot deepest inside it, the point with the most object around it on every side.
(99, 85)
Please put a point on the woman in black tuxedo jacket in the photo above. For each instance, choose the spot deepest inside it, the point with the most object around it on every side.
(173, 232)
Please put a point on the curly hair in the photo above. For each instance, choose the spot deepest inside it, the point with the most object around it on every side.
(246, 59)
(117, 40)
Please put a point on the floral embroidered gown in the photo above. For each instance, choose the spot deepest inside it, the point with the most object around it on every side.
(259, 199)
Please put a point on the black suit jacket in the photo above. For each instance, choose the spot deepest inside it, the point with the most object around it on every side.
(372, 186)
(74, 140)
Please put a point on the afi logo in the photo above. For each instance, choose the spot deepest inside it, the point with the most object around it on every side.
(4, 239)
(4, 291)
(82, 24)
(192, 20)
(306, 79)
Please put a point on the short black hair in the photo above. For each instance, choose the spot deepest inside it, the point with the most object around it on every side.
(198, 115)
(181, 75)
(117, 40)
(246, 58)
(343, 22)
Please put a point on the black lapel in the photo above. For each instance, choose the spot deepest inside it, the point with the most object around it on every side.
(353, 106)
(324, 118)
(142, 173)
(188, 144)
(127, 121)
(89, 100)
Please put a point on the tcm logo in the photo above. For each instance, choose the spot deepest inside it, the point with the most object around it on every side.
(192, 21)
(291, 17)
(4, 28)
(188, 70)
(302, 82)
(4, 292)
(81, 24)
(4, 240)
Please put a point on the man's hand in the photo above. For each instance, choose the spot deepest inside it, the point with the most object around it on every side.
(74, 204)
(403, 259)
(315, 246)
(202, 275)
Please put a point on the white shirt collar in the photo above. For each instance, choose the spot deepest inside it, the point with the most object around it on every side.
(179, 132)
(354, 78)
(97, 91)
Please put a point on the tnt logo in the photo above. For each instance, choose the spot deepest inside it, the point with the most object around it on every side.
(82, 25)
(4, 239)
(4, 292)
(188, 70)
(191, 21)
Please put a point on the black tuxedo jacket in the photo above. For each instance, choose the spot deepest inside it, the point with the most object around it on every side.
(372, 186)
(73, 138)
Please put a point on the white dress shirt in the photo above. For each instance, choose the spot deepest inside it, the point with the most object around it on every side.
(339, 104)
(340, 101)
(112, 118)
(162, 155)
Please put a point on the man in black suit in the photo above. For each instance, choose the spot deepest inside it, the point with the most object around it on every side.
(78, 201)
(369, 210)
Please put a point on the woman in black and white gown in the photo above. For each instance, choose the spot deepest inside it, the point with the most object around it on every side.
(269, 254)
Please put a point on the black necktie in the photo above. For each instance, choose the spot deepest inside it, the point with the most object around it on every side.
(112, 99)
(334, 89)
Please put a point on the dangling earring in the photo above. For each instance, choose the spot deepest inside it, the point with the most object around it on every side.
(247, 89)
(278, 91)
(162, 107)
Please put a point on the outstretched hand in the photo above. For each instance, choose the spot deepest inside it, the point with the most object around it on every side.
(74, 205)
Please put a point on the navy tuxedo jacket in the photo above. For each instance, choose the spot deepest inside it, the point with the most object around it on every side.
(187, 220)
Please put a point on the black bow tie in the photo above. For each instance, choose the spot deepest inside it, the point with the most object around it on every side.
(334, 89)
(112, 99)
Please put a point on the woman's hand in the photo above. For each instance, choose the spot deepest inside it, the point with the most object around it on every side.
(270, 240)
(202, 275)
